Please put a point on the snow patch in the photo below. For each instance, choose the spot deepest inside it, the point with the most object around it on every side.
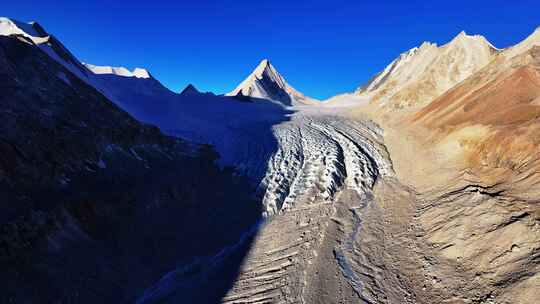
(118, 71)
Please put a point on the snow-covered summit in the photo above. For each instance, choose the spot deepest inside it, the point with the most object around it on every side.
(423, 73)
(266, 83)
(118, 71)
(32, 30)
(472, 40)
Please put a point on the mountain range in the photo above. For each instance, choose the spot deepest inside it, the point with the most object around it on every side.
(419, 187)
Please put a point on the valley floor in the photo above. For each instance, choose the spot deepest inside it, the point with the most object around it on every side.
(363, 214)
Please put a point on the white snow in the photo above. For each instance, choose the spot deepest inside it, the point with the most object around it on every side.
(346, 100)
(266, 83)
(10, 27)
(427, 71)
(119, 71)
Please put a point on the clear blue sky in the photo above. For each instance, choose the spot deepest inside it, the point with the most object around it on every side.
(321, 47)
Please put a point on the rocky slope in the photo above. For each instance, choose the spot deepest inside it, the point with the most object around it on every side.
(492, 117)
(96, 205)
(224, 122)
(477, 213)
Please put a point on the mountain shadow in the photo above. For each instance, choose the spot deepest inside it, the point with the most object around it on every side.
(98, 207)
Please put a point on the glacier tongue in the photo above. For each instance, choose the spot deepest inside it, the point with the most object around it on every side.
(319, 158)
(318, 155)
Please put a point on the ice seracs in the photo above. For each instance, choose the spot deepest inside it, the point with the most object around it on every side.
(266, 83)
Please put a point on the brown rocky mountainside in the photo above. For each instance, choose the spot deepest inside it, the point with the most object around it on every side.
(470, 160)
(500, 103)
(491, 122)
(96, 206)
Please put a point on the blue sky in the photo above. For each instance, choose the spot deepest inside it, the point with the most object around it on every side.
(321, 47)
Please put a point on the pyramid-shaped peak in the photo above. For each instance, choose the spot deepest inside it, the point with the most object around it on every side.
(264, 67)
(266, 83)
(189, 89)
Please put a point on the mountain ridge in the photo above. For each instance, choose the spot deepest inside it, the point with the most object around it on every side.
(422, 73)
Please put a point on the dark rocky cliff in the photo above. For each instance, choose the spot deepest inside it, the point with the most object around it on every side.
(96, 206)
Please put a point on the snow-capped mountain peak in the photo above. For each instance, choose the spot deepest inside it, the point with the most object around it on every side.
(33, 32)
(265, 82)
(265, 68)
(470, 41)
(423, 73)
(9, 27)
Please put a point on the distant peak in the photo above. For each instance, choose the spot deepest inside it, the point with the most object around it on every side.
(465, 39)
(189, 89)
(462, 35)
(266, 83)
(263, 67)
